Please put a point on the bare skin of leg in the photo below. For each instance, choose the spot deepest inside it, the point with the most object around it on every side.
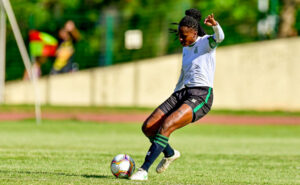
(153, 122)
(179, 118)
(158, 121)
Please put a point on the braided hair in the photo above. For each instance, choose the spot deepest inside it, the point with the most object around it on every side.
(196, 14)
(191, 19)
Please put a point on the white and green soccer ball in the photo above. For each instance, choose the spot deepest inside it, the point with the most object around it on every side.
(122, 166)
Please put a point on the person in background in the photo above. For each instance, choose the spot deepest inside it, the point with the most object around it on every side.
(68, 36)
(36, 67)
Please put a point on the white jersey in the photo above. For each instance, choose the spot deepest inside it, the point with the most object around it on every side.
(199, 61)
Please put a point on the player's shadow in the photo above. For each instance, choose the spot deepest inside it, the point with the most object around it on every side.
(95, 176)
(58, 173)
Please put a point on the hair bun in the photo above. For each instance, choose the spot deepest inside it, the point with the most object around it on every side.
(196, 14)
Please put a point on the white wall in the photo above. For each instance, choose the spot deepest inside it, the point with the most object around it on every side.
(260, 75)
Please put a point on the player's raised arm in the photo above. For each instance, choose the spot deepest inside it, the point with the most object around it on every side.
(219, 34)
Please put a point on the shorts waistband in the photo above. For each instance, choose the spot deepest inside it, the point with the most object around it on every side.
(198, 87)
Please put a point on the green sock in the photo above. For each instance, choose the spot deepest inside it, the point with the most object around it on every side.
(168, 150)
(158, 145)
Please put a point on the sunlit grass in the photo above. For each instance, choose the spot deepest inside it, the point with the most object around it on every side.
(72, 152)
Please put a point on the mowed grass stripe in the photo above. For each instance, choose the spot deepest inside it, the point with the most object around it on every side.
(71, 152)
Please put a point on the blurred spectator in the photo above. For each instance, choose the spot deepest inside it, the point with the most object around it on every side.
(36, 67)
(68, 36)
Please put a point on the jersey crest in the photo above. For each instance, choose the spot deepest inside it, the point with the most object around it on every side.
(212, 42)
(196, 50)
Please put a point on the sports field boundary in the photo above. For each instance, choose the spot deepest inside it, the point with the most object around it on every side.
(140, 117)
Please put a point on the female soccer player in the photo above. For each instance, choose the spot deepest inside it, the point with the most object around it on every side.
(193, 95)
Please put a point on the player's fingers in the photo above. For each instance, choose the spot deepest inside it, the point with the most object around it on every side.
(206, 21)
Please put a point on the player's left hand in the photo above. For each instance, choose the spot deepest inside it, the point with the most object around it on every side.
(210, 20)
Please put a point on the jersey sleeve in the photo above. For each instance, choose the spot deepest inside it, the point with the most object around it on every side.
(215, 39)
(179, 84)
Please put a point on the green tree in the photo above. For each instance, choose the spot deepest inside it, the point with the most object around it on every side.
(238, 19)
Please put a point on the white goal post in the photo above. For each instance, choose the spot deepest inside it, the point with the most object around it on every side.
(2, 51)
(6, 8)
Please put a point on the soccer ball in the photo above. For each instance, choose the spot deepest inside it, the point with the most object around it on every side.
(122, 166)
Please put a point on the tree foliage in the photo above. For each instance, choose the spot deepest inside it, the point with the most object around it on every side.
(238, 18)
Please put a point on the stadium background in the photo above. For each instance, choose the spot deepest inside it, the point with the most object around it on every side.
(103, 26)
(239, 20)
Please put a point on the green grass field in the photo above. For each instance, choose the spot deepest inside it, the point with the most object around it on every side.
(71, 152)
(135, 110)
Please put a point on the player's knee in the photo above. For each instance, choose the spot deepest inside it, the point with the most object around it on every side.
(145, 127)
